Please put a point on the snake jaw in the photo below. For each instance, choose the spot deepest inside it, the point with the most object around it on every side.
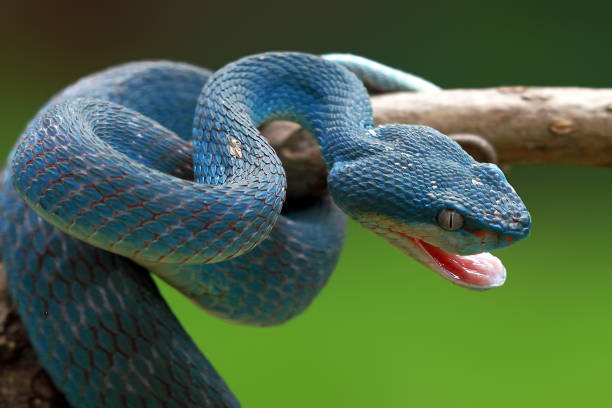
(479, 271)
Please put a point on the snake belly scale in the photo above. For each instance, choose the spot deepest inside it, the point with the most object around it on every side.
(159, 167)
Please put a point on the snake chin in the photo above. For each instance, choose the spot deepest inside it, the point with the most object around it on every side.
(480, 271)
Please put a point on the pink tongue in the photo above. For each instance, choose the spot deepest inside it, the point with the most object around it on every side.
(479, 271)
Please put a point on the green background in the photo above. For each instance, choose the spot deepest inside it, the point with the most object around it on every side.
(385, 332)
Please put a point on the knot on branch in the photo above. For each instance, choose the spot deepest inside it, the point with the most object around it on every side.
(476, 146)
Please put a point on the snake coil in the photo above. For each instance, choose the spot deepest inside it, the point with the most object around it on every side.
(115, 178)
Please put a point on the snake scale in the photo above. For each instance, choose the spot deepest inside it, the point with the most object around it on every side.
(159, 167)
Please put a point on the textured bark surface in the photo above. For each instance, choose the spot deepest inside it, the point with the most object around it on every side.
(524, 125)
(23, 382)
(509, 125)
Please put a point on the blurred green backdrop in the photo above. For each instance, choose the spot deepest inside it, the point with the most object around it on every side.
(385, 332)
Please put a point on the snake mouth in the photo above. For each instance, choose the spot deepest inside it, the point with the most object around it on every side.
(478, 271)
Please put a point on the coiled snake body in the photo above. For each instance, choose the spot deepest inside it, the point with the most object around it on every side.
(115, 177)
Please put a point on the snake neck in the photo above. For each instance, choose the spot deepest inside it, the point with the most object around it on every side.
(320, 95)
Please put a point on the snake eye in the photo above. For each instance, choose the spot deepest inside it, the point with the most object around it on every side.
(450, 220)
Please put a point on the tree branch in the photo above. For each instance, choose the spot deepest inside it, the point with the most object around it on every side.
(23, 382)
(522, 124)
(525, 125)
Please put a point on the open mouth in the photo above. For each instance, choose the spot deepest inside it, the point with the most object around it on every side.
(479, 271)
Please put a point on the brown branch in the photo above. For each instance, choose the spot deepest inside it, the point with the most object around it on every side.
(23, 382)
(523, 125)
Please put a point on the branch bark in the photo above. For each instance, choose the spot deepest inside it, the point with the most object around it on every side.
(23, 382)
(522, 124)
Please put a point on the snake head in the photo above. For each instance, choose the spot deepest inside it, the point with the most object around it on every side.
(420, 191)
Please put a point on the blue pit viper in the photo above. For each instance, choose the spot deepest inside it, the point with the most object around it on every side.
(116, 177)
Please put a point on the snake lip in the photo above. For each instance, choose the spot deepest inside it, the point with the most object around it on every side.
(480, 271)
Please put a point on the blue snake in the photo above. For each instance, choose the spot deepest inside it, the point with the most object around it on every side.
(159, 167)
